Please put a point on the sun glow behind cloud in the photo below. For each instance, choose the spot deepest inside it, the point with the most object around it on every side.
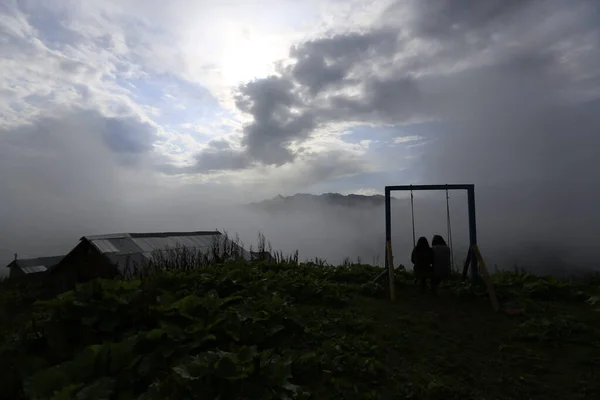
(244, 53)
(228, 45)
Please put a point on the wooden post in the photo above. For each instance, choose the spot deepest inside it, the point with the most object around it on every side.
(390, 259)
(487, 279)
(472, 231)
(466, 266)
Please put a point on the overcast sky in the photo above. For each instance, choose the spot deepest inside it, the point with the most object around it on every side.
(146, 114)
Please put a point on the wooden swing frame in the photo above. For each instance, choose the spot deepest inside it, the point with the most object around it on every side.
(473, 255)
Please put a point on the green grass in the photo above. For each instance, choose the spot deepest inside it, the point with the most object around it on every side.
(298, 331)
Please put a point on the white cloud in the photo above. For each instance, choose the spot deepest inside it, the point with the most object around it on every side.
(406, 139)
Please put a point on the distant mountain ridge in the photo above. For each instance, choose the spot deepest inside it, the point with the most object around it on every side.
(301, 200)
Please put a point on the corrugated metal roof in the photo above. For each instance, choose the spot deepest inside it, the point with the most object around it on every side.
(34, 269)
(107, 236)
(137, 248)
(105, 246)
(198, 243)
(36, 265)
(123, 246)
(170, 234)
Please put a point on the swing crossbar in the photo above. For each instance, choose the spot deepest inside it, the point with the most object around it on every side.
(470, 188)
(430, 187)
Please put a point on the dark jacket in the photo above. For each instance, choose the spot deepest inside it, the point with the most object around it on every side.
(442, 264)
(422, 259)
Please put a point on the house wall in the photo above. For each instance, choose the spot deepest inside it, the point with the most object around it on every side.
(16, 272)
(82, 264)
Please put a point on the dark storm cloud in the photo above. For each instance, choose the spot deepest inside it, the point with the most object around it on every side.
(287, 108)
(382, 101)
(314, 73)
(327, 61)
(219, 144)
(449, 60)
(279, 119)
(281, 105)
(453, 18)
(128, 135)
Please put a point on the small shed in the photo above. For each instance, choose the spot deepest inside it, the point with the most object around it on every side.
(24, 268)
(107, 256)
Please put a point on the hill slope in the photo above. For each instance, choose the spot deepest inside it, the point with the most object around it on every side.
(254, 331)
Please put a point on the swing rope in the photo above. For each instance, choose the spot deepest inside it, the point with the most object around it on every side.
(449, 229)
(412, 211)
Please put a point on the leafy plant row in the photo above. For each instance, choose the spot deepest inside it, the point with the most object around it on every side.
(232, 331)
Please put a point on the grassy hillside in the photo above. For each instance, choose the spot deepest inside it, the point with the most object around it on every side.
(299, 331)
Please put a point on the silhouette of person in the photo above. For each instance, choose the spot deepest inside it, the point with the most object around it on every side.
(422, 259)
(441, 261)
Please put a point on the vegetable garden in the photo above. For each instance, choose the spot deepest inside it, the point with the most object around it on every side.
(243, 330)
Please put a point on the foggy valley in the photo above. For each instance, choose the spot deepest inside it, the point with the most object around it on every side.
(332, 228)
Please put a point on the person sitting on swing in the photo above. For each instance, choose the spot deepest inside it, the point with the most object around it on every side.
(422, 259)
(442, 264)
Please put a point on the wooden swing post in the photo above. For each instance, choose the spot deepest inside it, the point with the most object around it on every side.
(390, 261)
(486, 278)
